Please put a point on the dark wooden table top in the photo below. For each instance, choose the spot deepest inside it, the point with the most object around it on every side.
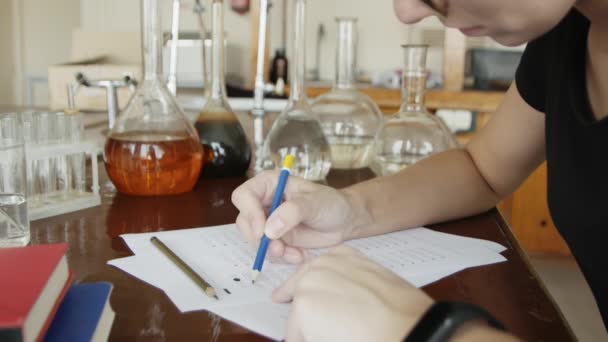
(509, 290)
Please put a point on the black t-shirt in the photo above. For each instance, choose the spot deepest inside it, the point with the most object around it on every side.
(551, 78)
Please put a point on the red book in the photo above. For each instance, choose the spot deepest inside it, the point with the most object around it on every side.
(34, 281)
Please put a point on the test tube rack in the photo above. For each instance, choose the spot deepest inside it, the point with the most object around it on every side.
(56, 204)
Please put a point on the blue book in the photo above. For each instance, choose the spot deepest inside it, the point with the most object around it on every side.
(84, 314)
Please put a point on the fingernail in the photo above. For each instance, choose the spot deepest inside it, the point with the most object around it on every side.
(274, 227)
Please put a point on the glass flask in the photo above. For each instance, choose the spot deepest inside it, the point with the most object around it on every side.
(152, 149)
(227, 151)
(297, 129)
(413, 133)
(350, 119)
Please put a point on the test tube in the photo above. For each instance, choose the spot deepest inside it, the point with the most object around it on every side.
(76, 161)
(44, 123)
(27, 119)
(62, 171)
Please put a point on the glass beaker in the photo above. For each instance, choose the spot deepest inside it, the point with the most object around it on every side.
(152, 149)
(349, 119)
(297, 129)
(413, 133)
(14, 224)
(227, 151)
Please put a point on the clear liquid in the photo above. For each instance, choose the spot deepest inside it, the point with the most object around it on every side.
(305, 140)
(384, 165)
(350, 152)
(14, 225)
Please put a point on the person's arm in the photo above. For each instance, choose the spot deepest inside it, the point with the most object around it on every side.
(446, 186)
(459, 182)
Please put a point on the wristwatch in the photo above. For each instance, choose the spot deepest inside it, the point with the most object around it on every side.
(443, 319)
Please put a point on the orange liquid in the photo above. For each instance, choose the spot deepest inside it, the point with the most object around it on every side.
(148, 164)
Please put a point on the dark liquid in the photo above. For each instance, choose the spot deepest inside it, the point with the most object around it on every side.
(227, 152)
(148, 164)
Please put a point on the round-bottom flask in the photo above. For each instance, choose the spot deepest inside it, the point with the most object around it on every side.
(297, 129)
(349, 119)
(413, 133)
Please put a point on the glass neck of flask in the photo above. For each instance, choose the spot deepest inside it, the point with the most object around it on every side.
(413, 85)
(298, 63)
(153, 40)
(218, 83)
(346, 53)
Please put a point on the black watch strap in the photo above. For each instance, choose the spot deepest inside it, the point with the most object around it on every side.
(442, 320)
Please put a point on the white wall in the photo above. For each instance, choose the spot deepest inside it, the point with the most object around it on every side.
(44, 34)
(376, 20)
(7, 64)
(380, 33)
(124, 16)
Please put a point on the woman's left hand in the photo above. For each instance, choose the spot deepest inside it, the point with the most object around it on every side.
(344, 296)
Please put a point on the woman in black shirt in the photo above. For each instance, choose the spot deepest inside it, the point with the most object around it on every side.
(555, 111)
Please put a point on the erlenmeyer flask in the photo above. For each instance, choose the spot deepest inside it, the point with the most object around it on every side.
(349, 119)
(152, 149)
(227, 152)
(297, 129)
(413, 133)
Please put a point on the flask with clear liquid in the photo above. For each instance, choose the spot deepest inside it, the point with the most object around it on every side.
(297, 129)
(152, 149)
(227, 151)
(350, 119)
(413, 133)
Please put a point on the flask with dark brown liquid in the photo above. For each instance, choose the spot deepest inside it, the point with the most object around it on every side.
(227, 151)
(153, 149)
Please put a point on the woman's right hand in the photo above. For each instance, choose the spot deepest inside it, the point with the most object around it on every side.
(312, 215)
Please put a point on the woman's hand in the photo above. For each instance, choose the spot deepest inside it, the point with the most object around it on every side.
(344, 296)
(312, 215)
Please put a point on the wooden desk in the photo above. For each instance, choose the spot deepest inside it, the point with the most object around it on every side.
(510, 290)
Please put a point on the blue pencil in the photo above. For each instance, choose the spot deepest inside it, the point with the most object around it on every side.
(276, 201)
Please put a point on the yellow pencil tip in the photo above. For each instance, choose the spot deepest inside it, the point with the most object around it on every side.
(288, 161)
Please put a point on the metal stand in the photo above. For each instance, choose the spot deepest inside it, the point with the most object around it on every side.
(111, 87)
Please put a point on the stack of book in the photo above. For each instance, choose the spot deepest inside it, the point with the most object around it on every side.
(38, 301)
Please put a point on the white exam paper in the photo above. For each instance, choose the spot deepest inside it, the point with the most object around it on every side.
(224, 259)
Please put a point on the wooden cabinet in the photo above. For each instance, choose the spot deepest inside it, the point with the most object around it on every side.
(528, 215)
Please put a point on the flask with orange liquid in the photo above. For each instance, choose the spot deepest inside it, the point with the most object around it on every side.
(153, 149)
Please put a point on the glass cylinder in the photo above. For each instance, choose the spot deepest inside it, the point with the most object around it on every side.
(413, 133)
(45, 131)
(297, 130)
(349, 119)
(14, 223)
(152, 149)
(227, 151)
(27, 119)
